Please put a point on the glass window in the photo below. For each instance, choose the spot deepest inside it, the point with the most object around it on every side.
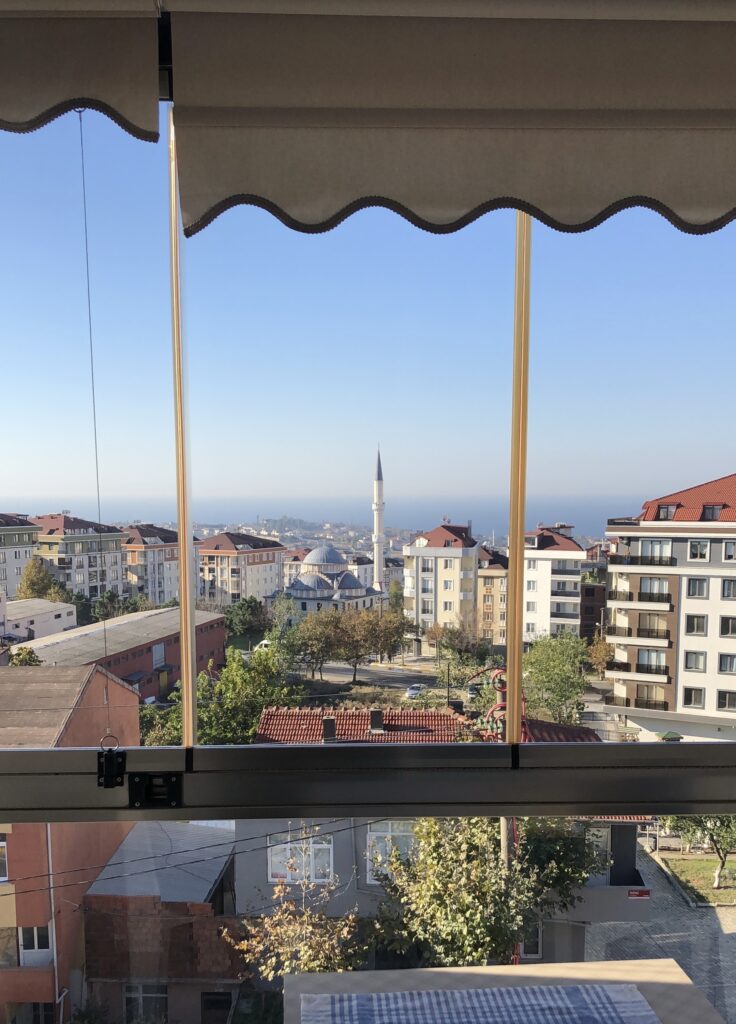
(531, 585)
(383, 837)
(697, 586)
(35, 938)
(728, 590)
(729, 550)
(699, 550)
(446, 564)
(711, 512)
(146, 1002)
(42, 1013)
(728, 625)
(427, 564)
(447, 584)
(531, 943)
(726, 700)
(299, 857)
(693, 697)
(531, 563)
(447, 606)
(696, 625)
(695, 661)
(727, 663)
(666, 511)
(531, 606)
(656, 549)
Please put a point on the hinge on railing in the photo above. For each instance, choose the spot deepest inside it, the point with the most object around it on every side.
(148, 789)
(110, 768)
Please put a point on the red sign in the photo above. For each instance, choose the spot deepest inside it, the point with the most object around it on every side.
(639, 894)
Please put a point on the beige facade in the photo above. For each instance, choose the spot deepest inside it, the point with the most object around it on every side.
(18, 537)
(233, 566)
(440, 578)
(84, 556)
(491, 599)
(151, 563)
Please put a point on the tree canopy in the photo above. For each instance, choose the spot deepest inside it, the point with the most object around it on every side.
(24, 656)
(246, 616)
(718, 830)
(554, 679)
(35, 582)
(600, 652)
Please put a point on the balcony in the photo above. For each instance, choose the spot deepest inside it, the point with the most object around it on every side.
(613, 700)
(618, 666)
(651, 705)
(652, 670)
(564, 615)
(646, 595)
(64, 563)
(619, 631)
(653, 634)
(565, 572)
(642, 560)
(409, 592)
(620, 595)
(573, 595)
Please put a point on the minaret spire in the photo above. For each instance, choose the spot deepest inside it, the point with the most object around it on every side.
(378, 535)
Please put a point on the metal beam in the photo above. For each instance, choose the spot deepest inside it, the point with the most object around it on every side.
(364, 780)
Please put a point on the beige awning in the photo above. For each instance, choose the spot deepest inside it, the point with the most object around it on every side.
(313, 116)
(59, 54)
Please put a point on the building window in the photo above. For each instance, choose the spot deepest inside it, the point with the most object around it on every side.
(656, 549)
(529, 627)
(531, 606)
(531, 585)
(696, 625)
(3, 857)
(503, 599)
(726, 700)
(145, 1002)
(530, 947)
(427, 564)
(447, 584)
(666, 511)
(693, 697)
(729, 550)
(699, 550)
(728, 625)
(299, 857)
(33, 940)
(531, 563)
(79, 578)
(427, 607)
(447, 606)
(727, 663)
(383, 837)
(728, 590)
(502, 634)
(711, 512)
(695, 661)
(697, 586)
(446, 563)
(488, 599)
(502, 617)
(42, 1013)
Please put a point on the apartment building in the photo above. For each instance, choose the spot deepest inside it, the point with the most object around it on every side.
(233, 566)
(143, 648)
(672, 613)
(41, 928)
(18, 536)
(34, 617)
(493, 571)
(150, 558)
(440, 577)
(552, 572)
(83, 555)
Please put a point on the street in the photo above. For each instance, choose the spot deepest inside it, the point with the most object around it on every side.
(701, 940)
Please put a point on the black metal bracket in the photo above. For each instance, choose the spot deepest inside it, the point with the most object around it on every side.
(110, 768)
(148, 790)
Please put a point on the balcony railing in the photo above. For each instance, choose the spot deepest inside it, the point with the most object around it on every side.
(653, 634)
(616, 701)
(651, 670)
(574, 594)
(565, 572)
(642, 560)
(618, 666)
(620, 595)
(618, 631)
(564, 615)
(651, 705)
(648, 595)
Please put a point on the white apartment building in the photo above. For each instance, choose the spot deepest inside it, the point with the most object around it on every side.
(84, 556)
(233, 566)
(552, 570)
(671, 614)
(17, 542)
(440, 577)
(34, 617)
(151, 562)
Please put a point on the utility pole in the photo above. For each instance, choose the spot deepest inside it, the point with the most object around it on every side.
(448, 684)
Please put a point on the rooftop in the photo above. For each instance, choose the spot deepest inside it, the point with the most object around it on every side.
(238, 542)
(549, 538)
(691, 501)
(490, 558)
(448, 535)
(11, 519)
(36, 703)
(400, 725)
(59, 524)
(178, 861)
(34, 606)
(147, 533)
(86, 644)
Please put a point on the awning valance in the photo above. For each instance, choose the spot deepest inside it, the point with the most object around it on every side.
(55, 56)
(313, 116)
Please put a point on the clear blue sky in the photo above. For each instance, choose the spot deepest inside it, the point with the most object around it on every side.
(306, 350)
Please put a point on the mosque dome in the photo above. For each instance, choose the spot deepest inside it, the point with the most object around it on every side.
(326, 555)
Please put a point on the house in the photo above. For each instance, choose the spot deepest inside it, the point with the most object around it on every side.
(552, 572)
(141, 647)
(84, 556)
(493, 571)
(41, 885)
(18, 536)
(440, 577)
(233, 566)
(34, 617)
(150, 556)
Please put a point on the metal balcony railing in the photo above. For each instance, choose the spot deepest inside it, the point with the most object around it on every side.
(651, 705)
(616, 701)
(651, 670)
(618, 666)
(657, 598)
(653, 634)
(620, 595)
(618, 631)
(642, 560)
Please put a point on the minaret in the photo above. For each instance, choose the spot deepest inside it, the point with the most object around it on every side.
(378, 537)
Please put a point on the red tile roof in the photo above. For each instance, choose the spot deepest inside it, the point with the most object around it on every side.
(550, 732)
(547, 538)
(489, 558)
(59, 524)
(449, 536)
(238, 542)
(13, 519)
(691, 500)
(141, 532)
(401, 725)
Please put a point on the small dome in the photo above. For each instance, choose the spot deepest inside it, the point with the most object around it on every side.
(310, 581)
(348, 582)
(324, 555)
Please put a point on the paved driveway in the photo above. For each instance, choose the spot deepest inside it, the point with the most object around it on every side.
(702, 941)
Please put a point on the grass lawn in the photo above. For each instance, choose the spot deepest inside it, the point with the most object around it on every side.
(695, 874)
(245, 641)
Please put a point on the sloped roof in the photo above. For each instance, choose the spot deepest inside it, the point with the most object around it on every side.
(401, 725)
(37, 702)
(547, 539)
(142, 532)
(490, 558)
(310, 581)
(229, 541)
(61, 524)
(550, 732)
(178, 861)
(10, 519)
(457, 536)
(691, 500)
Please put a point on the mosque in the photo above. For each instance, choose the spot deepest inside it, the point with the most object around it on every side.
(325, 580)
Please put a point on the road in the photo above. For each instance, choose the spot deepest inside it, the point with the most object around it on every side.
(701, 940)
(391, 677)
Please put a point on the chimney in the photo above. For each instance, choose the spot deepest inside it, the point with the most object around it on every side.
(329, 729)
(376, 720)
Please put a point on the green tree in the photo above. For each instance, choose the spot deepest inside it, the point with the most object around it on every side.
(317, 638)
(355, 638)
(554, 678)
(107, 606)
(600, 652)
(35, 582)
(455, 901)
(84, 607)
(246, 616)
(389, 633)
(229, 705)
(718, 830)
(24, 656)
(396, 596)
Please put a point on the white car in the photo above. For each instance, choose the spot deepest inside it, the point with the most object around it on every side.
(413, 691)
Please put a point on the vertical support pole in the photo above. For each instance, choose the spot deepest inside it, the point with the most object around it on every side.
(183, 512)
(517, 502)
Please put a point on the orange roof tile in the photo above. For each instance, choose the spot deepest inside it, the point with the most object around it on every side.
(401, 725)
(691, 500)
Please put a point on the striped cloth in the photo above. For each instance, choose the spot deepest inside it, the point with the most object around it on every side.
(538, 1004)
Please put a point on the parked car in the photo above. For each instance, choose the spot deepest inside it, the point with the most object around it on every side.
(413, 691)
(473, 691)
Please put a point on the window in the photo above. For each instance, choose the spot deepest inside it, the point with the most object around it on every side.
(488, 599)
(728, 590)
(699, 550)
(42, 1013)
(729, 550)
(728, 625)
(529, 627)
(18, 571)
(34, 939)
(79, 578)
(145, 1002)
(530, 947)
(697, 586)
(666, 511)
(696, 625)
(658, 550)
(447, 584)
(695, 661)
(726, 700)
(427, 564)
(158, 655)
(447, 606)
(693, 697)
(446, 563)
(651, 658)
(3, 857)
(711, 512)
(502, 617)
(299, 857)
(654, 585)
(727, 663)
(531, 563)
(383, 837)
(531, 585)
(427, 607)
(531, 606)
